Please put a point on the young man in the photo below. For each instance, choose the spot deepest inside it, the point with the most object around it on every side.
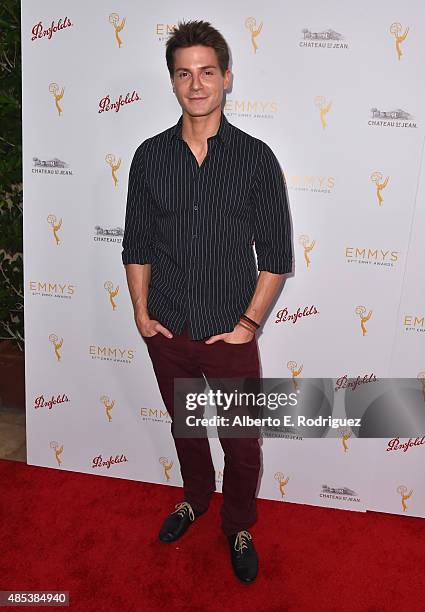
(199, 194)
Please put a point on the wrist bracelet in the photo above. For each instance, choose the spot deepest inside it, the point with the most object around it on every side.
(248, 320)
(246, 327)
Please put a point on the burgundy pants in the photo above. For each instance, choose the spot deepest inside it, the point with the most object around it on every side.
(182, 357)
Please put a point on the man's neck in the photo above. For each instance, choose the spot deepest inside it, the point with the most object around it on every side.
(198, 129)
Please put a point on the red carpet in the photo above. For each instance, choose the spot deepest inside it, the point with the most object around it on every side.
(96, 537)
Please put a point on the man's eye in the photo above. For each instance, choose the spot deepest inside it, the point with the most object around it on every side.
(182, 74)
(209, 72)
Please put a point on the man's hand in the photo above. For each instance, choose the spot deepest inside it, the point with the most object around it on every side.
(240, 335)
(149, 327)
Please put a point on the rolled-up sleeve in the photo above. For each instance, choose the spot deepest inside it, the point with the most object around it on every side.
(139, 220)
(270, 216)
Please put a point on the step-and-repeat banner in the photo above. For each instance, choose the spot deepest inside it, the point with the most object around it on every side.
(336, 90)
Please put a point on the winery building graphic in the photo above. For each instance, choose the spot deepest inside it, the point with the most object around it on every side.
(324, 35)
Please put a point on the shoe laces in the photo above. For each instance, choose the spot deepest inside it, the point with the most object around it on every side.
(241, 540)
(183, 507)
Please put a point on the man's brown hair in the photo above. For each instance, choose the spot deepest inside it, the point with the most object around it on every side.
(190, 33)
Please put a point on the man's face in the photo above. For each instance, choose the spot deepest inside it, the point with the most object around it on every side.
(198, 82)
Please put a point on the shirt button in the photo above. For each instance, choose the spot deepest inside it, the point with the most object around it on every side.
(193, 235)
(195, 208)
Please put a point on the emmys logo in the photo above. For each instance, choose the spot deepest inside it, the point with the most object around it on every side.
(118, 27)
(39, 31)
(311, 183)
(111, 293)
(396, 118)
(40, 402)
(414, 323)
(402, 491)
(57, 345)
(100, 462)
(377, 178)
(361, 313)
(56, 225)
(108, 405)
(156, 415)
(114, 164)
(345, 434)
(295, 372)
(421, 379)
(326, 39)
(252, 109)
(395, 444)
(282, 482)
(163, 31)
(167, 464)
(56, 290)
(108, 234)
(58, 95)
(58, 451)
(108, 353)
(340, 493)
(324, 108)
(374, 257)
(251, 25)
(283, 315)
(395, 30)
(106, 105)
(50, 166)
(308, 246)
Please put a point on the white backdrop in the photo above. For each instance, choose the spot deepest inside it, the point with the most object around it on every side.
(335, 89)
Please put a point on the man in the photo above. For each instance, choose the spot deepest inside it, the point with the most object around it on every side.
(199, 194)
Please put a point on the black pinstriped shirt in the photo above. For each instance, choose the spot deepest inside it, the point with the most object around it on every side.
(196, 225)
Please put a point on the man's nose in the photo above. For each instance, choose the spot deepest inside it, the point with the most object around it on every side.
(196, 82)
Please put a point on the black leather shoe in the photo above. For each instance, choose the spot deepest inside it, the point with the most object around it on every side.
(243, 555)
(178, 522)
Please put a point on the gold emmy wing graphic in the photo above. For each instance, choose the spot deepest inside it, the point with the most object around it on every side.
(108, 406)
(54, 90)
(56, 225)
(167, 465)
(402, 490)
(282, 481)
(112, 293)
(320, 102)
(295, 371)
(345, 436)
(395, 30)
(114, 19)
(421, 378)
(251, 25)
(57, 345)
(58, 451)
(111, 161)
(308, 246)
(376, 177)
(360, 311)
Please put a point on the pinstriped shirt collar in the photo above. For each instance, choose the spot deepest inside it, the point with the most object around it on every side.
(222, 134)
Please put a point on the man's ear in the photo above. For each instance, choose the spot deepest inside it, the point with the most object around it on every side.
(172, 83)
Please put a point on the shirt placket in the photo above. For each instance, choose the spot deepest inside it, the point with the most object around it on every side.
(195, 233)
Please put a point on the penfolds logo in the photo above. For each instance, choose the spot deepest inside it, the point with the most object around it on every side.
(100, 462)
(283, 315)
(343, 382)
(395, 444)
(40, 402)
(106, 105)
(39, 31)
